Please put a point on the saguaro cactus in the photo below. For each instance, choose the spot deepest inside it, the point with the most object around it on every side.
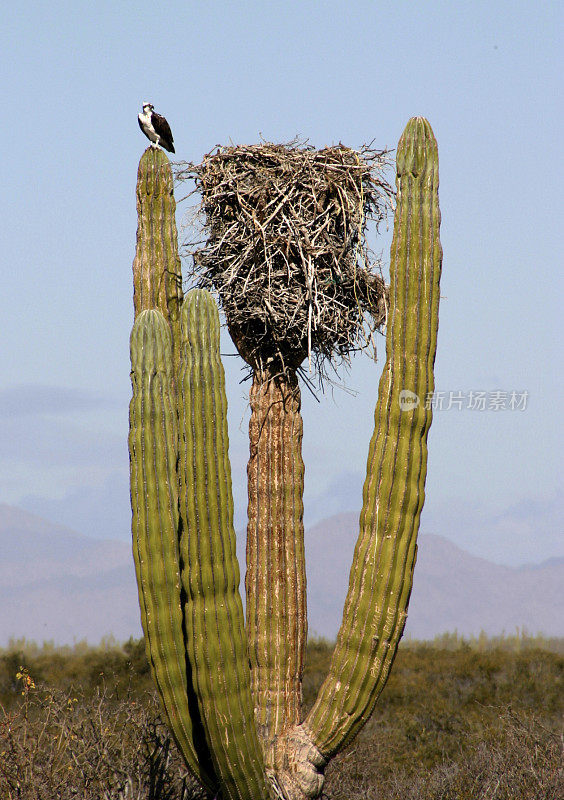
(381, 575)
(183, 515)
(184, 543)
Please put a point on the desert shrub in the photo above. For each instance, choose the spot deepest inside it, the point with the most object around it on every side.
(464, 723)
(123, 667)
(469, 721)
(519, 758)
(58, 745)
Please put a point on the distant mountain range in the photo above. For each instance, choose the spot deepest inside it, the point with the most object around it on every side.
(452, 589)
(56, 584)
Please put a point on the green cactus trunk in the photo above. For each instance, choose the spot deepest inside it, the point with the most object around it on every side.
(157, 275)
(275, 581)
(153, 451)
(381, 575)
(215, 633)
(183, 541)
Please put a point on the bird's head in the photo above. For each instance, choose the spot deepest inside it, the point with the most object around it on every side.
(147, 107)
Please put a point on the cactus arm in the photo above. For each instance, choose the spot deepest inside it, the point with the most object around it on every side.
(154, 498)
(382, 570)
(215, 634)
(157, 276)
(275, 580)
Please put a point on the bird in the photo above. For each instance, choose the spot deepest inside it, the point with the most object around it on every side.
(155, 128)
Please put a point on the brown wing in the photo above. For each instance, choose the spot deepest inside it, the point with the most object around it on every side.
(162, 128)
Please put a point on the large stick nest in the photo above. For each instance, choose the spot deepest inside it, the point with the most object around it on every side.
(284, 246)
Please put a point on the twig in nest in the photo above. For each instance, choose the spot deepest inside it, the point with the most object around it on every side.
(285, 248)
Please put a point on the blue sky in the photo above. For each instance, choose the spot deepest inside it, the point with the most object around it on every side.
(486, 76)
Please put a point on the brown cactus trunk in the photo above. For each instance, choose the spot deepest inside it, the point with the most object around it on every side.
(275, 581)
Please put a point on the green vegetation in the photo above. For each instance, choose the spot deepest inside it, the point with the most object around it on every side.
(458, 720)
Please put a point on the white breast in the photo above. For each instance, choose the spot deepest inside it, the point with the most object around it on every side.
(145, 120)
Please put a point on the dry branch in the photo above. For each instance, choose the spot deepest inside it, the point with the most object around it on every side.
(283, 244)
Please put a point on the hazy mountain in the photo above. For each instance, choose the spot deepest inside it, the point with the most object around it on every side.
(57, 584)
(452, 589)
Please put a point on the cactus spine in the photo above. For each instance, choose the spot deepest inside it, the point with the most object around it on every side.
(381, 575)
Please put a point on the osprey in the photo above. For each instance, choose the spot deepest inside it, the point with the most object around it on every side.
(155, 128)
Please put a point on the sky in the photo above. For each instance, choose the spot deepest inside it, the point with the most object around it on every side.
(485, 74)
